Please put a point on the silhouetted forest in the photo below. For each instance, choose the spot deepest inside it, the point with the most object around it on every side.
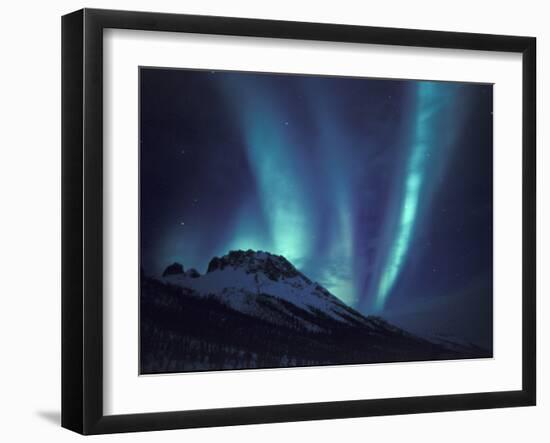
(182, 332)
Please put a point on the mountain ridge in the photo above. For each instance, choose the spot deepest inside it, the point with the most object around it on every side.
(254, 309)
(264, 274)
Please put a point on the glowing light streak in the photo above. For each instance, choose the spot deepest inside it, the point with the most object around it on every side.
(416, 169)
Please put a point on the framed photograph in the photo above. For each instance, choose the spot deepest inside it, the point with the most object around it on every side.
(269, 221)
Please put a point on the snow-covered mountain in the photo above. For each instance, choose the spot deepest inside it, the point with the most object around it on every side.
(267, 286)
(253, 309)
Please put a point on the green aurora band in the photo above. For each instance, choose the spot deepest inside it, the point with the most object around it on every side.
(428, 111)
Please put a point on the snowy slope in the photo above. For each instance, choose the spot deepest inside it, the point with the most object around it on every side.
(246, 280)
(454, 343)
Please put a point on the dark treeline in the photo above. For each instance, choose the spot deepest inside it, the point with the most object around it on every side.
(183, 332)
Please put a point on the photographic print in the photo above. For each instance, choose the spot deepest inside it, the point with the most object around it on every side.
(304, 220)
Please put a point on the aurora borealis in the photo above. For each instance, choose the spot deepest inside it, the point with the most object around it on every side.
(380, 190)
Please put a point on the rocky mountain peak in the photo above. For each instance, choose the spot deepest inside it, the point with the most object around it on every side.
(173, 269)
(252, 262)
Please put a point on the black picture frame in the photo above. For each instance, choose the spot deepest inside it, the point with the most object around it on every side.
(82, 221)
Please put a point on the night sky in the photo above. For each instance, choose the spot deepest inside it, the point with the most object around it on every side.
(380, 190)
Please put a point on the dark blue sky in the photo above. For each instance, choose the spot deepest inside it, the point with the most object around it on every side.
(380, 190)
